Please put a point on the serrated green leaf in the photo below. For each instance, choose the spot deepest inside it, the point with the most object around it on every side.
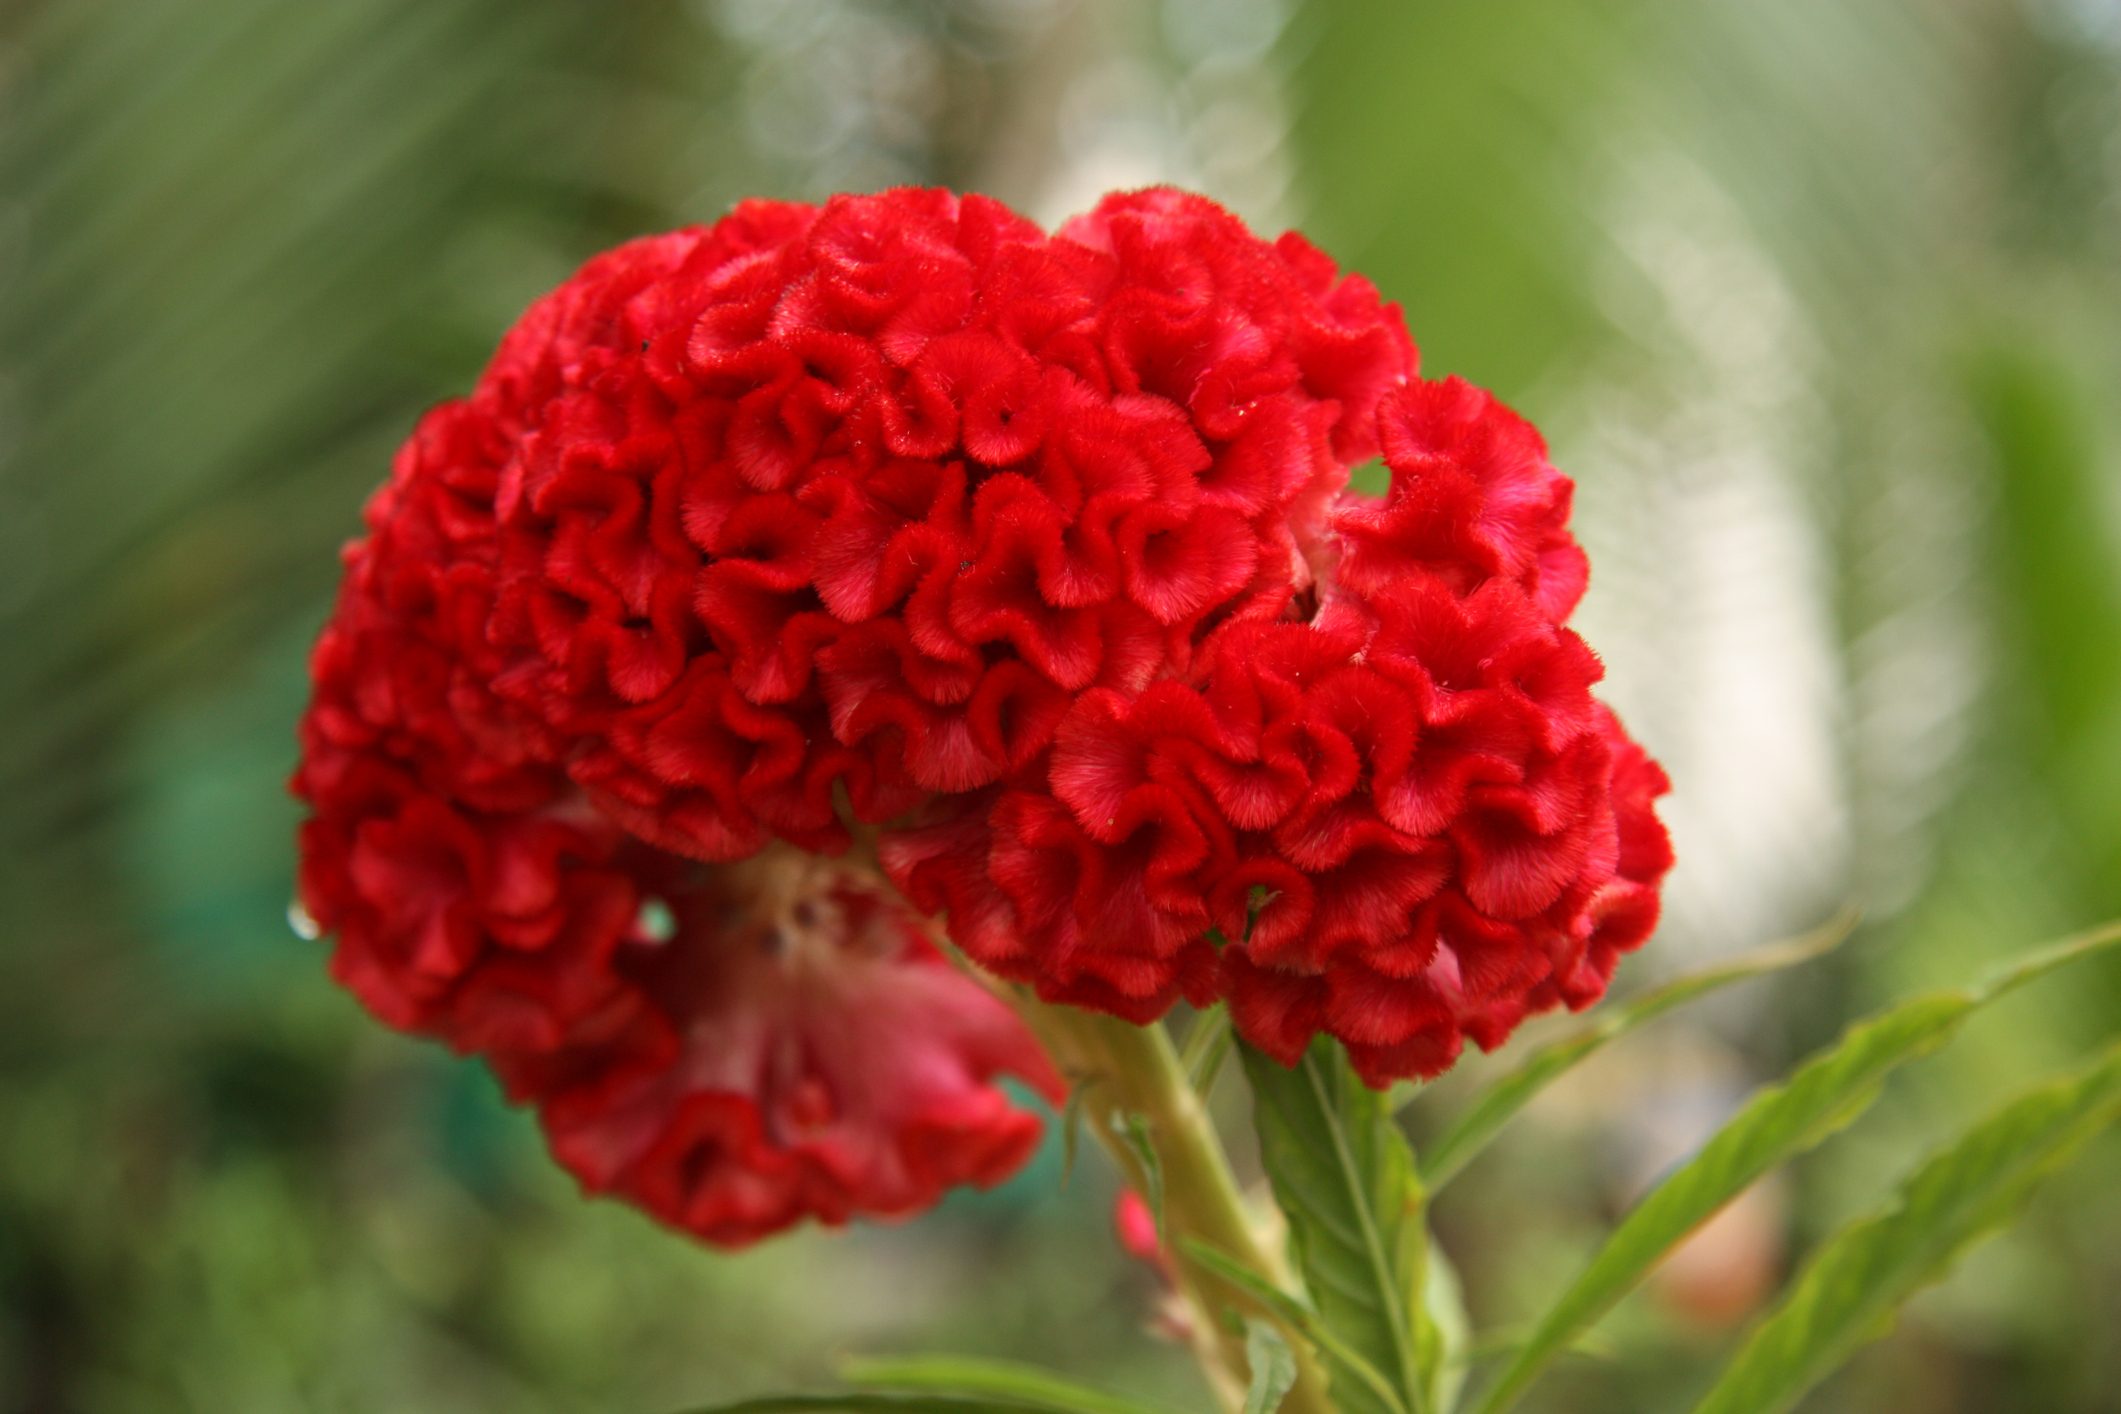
(1273, 1367)
(1444, 1158)
(1850, 1290)
(967, 1377)
(1344, 1178)
(1779, 1122)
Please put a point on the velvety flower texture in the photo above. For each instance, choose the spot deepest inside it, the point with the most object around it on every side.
(898, 540)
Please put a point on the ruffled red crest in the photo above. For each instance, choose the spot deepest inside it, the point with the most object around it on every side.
(1026, 559)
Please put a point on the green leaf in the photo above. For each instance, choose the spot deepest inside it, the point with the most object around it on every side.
(1207, 1047)
(1498, 1341)
(2042, 961)
(1464, 1141)
(1301, 1318)
(1850, 1289)
(1344, 1177)
(1273, 1367)
(966, 1377)
(1135, 1130)
(1071, 1127)
(1446, 1333)
(865, 1403)
(1779, 1122)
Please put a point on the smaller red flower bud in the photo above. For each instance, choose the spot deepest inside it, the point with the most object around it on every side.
(1135, 1227)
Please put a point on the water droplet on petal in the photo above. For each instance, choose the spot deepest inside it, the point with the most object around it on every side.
(299, 919)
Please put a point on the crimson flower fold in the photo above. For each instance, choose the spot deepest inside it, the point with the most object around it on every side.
(795, 593)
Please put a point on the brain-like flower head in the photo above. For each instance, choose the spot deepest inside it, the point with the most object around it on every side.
(897, 539)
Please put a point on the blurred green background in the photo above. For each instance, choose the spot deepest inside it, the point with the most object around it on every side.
(1819, 300)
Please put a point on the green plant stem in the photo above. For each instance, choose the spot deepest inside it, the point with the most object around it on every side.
(1134, 1071)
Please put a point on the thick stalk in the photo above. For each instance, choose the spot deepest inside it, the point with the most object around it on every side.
(1133, 1070)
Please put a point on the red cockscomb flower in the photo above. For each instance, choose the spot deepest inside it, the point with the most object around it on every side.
(1027, 561)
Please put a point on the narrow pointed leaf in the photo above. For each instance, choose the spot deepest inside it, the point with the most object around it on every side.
(1779, 1122)
(1134, 1129)
(1207, 1047)
(1344, 1177)
(1300, 1317)
(873, 1404)
(1466, 1138)
(1498, 1341)
(1849, 1291)
(967, 1377)
(1446, 1333)
(1273, 1367)
(1071, 1128)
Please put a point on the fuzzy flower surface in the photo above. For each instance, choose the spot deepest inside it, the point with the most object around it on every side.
(790, 588)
